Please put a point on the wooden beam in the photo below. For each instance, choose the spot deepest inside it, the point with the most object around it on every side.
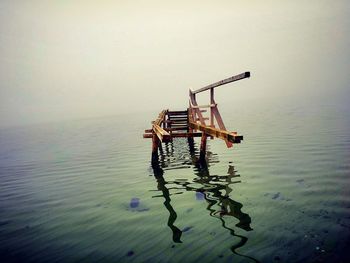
(186, 134)
(182, 128)
(204, 118)
(176, 135)
(196, 111)
(223, 82)
(225, 135)
(204, 106)
(203, 147)
(147, 135)
(162, 134)
(212, 124)
(221, 124)
(161, 118)
(174, 113)
(155, 144)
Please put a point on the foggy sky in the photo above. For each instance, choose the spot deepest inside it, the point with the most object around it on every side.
(77, 59)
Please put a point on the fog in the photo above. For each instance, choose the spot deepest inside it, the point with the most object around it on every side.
(80, 59)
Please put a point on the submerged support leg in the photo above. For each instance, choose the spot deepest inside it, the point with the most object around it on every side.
(203, 146)
(190, 139)
(155, 144)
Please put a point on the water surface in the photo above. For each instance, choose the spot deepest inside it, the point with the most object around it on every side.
(85, 191)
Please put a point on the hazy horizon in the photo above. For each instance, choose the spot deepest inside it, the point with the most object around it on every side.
(68, 60)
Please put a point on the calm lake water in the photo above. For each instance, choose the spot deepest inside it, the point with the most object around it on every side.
(84, 191)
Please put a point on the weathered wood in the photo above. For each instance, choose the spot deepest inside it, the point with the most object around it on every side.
(203, 147)
(204, 118)
(204, 106)
(179, 123)
(186, 134)
(221, 124)
(225, 135)
(174, 113)
(181, 128)
(162, 134)
(147, 135)
(193, 104)
(178, 120)
(161, 118)
(176, 135)
(223, 82)
(211, 108)
(155, 144)
(175, 122)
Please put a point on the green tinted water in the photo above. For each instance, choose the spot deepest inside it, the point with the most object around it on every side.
(85, 191)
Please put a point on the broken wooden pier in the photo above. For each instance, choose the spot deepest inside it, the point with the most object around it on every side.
(191, 122)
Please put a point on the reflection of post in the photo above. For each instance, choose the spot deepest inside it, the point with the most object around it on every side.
(158, 174)
(215, 189)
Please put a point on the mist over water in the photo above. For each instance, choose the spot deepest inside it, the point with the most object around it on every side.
(64, 60)
(79, 83)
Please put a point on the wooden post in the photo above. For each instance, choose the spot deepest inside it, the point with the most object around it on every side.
(203, 146)
(191, 145)
(211, 108)
(155, 143)
(189, 129)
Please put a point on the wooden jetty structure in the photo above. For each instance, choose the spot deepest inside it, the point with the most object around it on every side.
(191, 123)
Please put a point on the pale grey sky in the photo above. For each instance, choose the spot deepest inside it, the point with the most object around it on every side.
(78, 59)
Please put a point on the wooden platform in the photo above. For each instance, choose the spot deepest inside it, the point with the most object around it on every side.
(191, 122)
(177, 124)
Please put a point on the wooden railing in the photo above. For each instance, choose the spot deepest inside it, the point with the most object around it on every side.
(198, 122)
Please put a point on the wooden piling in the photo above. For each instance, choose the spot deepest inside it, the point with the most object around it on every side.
(203, 148)
(155, 144)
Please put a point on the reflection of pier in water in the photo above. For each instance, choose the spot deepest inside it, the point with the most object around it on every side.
(215, 189)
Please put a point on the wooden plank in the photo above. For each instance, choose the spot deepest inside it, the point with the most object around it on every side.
(178, 119)
(225, 135)
(204, 106)
(223, 82)
(176, 135)
(177, 128)
(176, 116)
(174, 113)
(186, 134)
(147, 135)
(176, 122)
(161, 118)
(162, 134)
